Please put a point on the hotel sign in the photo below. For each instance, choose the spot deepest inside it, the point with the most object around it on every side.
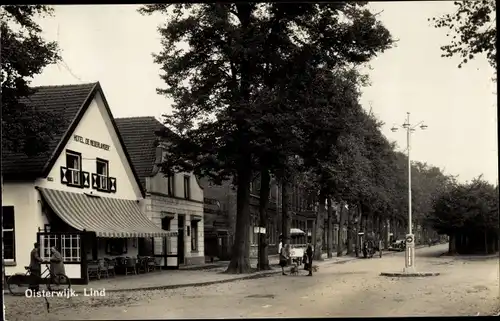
(90, 142)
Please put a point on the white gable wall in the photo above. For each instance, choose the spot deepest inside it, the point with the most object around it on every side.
(23, 197)
(96, 125)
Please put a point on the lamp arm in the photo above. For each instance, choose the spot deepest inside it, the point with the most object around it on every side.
(415, 126)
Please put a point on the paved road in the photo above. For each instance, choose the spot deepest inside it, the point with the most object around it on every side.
(466, 286)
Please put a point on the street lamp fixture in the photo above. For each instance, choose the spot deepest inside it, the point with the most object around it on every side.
(410, 238)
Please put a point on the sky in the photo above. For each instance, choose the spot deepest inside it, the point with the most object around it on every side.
(113, 44)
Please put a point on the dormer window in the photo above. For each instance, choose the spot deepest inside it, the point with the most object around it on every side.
(74, 167)
(102, 171)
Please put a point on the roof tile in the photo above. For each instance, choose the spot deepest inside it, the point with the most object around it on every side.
(65, 100)
(139, 136)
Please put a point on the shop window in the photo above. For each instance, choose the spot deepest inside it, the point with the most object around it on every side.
(272, 234)
(102, 171)
(116, 246)
(253, 236)
(187, 187)
(47, 241)
(70, 248)
(8, 234)
(166, 224)
(69, 245)
(194, 236)
(74, 167)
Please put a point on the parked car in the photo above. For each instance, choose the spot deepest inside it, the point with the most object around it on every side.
(398, 245)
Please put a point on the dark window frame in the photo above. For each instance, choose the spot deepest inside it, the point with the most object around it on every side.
(171, 184)
(194, 236)
(8, 230)
(71, 169)
(104, 177)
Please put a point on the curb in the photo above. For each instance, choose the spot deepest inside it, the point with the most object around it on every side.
(177, 286)
(201, 268)
(409, 275)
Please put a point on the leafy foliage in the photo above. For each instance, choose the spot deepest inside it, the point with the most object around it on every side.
(207, 81)
(467, 206)
(24, 54)
(472, 29)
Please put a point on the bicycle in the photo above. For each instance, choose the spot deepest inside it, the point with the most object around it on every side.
(19, 283)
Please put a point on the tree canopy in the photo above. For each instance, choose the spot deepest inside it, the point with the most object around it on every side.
(471, 29)
(469, 209)
(24, 54)
(234, 85)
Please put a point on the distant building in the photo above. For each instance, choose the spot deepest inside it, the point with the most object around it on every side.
(220, 220)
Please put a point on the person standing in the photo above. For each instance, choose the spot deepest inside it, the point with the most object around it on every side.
(56, 262)
(283, 258)
(309, 254)
(35, 267)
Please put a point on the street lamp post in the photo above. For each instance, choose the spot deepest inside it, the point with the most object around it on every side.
(410, 238)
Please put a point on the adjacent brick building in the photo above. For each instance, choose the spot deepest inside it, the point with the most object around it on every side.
(220, 217)
(173, 203)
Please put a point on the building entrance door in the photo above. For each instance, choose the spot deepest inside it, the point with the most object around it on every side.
(180, 239)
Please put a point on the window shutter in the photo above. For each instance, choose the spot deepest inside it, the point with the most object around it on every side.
(94, 181)
(112, 184)
(64, 175)
(85, 179)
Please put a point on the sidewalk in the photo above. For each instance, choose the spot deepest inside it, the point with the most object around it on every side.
(199, 275)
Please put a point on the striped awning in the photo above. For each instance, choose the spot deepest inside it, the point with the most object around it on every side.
(107, 217)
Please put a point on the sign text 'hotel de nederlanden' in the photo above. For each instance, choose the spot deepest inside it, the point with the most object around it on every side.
(90, 142)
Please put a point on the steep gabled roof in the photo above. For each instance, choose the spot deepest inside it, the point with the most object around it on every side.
(70, 102)
(139, 136)
(65, 101)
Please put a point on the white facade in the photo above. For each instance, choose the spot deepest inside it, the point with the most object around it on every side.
(95, 125)
(27, 219)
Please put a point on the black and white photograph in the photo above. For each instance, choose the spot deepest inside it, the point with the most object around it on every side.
(249, 160)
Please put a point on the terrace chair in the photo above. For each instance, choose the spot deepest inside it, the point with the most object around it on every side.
(110, 266)
(120, 264)
(142, 264)
(93, 270)
(102, 268)
(157, 262)
(151, 264)
(130, 264)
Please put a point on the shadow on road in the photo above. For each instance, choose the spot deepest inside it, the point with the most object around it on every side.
(434, 251)
(441, 251)
(476, 257)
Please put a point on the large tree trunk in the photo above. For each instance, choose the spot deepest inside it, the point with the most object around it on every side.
(380, 227)
(329, 244)
(350, 233)
(359, 215)
(342, 215)
(240, 261)
(286, 222)
(452, 244)
(263, 261)
(486, 241)
(320, 228)
(387, 235)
